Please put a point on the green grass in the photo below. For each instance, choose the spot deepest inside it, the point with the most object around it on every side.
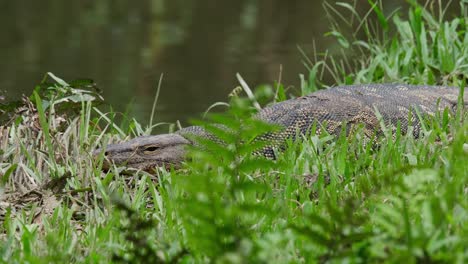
(324, 200)
(425, 48)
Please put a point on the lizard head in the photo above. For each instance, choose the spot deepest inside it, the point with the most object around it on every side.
(146, 153)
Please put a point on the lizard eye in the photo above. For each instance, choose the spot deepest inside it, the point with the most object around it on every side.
(151, 148)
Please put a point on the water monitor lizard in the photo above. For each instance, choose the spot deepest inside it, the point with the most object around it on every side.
(349, 105)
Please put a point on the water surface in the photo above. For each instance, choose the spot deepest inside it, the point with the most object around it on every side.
(199, 46)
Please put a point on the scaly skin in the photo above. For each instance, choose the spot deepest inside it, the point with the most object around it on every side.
(349, 105)
(146, 153)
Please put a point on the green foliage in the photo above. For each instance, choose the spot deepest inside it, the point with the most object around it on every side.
(424, 48)
(60, 96)
(220, 210)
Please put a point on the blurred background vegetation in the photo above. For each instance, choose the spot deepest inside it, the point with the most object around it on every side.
(199, 46)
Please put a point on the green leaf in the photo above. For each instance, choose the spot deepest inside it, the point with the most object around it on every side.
(380, 15)
(58, 80)
(341, 39)
(5, 177)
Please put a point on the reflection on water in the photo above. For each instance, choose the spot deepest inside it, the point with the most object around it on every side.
(125, 46)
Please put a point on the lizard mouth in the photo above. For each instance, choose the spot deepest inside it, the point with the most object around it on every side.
(143, 166)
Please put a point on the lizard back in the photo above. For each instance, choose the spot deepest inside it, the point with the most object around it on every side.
(358, 104)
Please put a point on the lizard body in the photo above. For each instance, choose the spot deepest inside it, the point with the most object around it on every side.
(334, 107)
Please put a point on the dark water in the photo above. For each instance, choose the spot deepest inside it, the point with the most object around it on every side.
(125, 46)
